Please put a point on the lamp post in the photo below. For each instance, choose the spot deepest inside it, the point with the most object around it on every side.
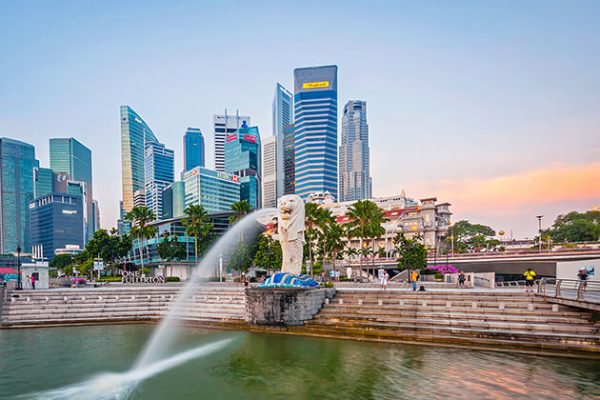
(19, 283)
(539, 217)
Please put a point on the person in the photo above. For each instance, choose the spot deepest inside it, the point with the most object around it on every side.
(413, 278)
(529, 279)
(582, 275)
(323, 277)
(337, 276)
(27, 281)
(381, 275)
(461, 280)
(32, 281)
(385, 280)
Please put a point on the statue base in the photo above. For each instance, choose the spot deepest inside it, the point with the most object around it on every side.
(284, 306)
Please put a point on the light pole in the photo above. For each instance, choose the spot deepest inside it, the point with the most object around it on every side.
(19, 283)
(539, 217)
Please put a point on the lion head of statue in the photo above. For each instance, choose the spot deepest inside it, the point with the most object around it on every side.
(291, 214)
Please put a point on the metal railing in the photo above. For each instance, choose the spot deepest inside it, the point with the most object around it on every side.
(570, 289)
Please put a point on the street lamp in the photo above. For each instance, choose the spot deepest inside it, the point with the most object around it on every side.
(539, 217)
(19, 283)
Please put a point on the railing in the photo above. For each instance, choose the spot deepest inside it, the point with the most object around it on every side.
(570, 289)
(504, 284)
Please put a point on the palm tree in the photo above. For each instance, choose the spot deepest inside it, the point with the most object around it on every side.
(197, 224)
(241, 208)
(365, 223)
(314, 219)
(333, 242)
(140, 217)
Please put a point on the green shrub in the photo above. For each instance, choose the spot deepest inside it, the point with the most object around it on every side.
(110, 279)
(439, 275)
(172, 279)
(327, 284)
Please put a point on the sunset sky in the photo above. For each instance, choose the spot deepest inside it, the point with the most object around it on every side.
(491, 106)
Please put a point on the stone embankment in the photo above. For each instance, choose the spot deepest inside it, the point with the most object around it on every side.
(220, 305)
(497, 319)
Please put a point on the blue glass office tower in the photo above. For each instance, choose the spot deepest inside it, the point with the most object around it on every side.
(214, 190)
(282, 118)
(174, 200)
(68, 155)
(193, 149)
(44, 182)
(316, 141)
(135, 133)
(159, 173)
(242, 158)
(17, 163)
(56, 220)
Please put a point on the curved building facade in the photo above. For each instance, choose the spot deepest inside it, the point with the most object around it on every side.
(134, 135)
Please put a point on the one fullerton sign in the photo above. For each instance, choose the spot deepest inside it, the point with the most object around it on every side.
(135, 277)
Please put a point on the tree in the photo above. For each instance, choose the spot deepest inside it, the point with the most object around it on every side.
(197, 224)
(61, 261)
(241, 208)
(140, 217)
(268, 253)
(470, 237)
(170, 249)
(575, 227)
(333, 243)
(241, 258)
(365, 223)
(412, 254)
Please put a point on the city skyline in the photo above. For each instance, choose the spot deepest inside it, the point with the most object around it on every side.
(500, 122)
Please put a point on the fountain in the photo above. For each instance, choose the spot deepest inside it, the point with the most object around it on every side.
(157, 355)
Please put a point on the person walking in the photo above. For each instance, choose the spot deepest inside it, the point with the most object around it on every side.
(381, 276)
(582, 275)
(413, 278)
(529, 279)
(386, 277)
(32, 282)
(461, 280)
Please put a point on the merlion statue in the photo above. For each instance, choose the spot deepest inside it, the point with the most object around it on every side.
(290, 227)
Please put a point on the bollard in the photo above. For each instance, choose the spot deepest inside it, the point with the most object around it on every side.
(28, 298)
(116, 297)
(530, 306)
(100, 298)
(65, 298)
(149, 297)
(448, 304)
(555, 307)
(473, 305)
(326, 300)
(47, 299)
(341, 301)
(132, 297)
(401, 302)
(360, 302)
(501, 306)
(424, 304)
(379, 302)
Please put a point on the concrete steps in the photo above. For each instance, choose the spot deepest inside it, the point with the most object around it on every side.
(211, 304)
(497, 318)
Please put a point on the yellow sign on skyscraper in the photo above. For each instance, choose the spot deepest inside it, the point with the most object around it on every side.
(315, 85)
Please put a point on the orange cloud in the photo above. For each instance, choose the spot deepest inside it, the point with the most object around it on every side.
(509, 194)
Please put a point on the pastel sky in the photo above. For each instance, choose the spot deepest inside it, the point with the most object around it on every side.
(491, 106)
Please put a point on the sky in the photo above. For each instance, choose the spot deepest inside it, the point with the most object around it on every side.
(493, 107)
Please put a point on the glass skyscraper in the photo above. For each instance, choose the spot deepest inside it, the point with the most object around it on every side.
(289, 163)
(316, 142)
(193, 149)
(17, 163)
(44, 181)
(269, 171)
(216, 191)
(355, 180)
(242, 158)
(135, 133)
(225, 125)
(56, 221)
(159, 173)
(282, 117)
(68, 155)
(174, 200)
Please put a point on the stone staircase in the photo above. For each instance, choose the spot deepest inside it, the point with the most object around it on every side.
(492, 318)
(210, 304)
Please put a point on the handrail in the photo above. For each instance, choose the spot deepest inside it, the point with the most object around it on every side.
(571, 289)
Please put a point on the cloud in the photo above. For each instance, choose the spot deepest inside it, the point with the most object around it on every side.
(512, 194)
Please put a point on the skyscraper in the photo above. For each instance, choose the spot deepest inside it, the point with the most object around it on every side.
(316, 143)
(282, 117)
(17, 162)
(44, 181)
(242, 158)
(174, 200)
(289, 163)
(56, 221)
(225, 125)
(355, 180)
(214, 190)
(135, 133)
(68, 155)
(193, 149)
(269, 171)
(159, 173)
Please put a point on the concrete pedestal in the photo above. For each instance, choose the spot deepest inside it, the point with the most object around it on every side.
(284, 307)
